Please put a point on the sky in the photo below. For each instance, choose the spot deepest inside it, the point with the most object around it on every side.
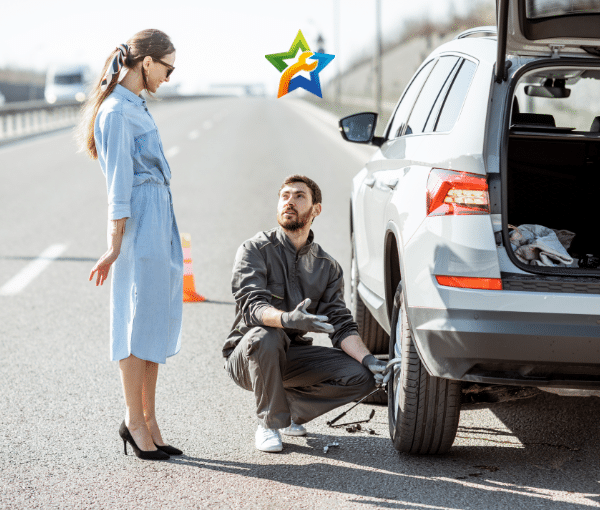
(217, 41)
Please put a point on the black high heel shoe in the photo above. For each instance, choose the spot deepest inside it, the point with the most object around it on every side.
(171, 450)
(142, 454)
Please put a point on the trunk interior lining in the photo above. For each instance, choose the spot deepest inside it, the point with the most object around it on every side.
(555, 182)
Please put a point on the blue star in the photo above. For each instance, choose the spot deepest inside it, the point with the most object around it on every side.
(314, 84)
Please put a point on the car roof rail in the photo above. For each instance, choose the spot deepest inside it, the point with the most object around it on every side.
(481, 31)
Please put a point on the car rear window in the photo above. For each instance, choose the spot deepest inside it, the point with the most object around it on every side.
(456, 97)
(535, 9)
(68, 79)
(579, 110)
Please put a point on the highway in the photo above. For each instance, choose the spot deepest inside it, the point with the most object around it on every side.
(61, 402)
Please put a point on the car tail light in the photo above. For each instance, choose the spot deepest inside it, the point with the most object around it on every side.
(468, 282)
(456, 193)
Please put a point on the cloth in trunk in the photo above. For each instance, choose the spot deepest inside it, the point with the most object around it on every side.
(539, 246)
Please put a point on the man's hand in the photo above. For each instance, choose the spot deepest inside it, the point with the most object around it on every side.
(378, 367)
(301, 320)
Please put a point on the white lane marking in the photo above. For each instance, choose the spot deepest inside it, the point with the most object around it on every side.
(207, 124)
(24, 277)
(173, 151)
(194, 134)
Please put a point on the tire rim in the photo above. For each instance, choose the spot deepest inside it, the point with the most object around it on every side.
(397, 368)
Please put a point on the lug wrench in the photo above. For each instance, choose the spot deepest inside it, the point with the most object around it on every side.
(357, 422)
(380, 387)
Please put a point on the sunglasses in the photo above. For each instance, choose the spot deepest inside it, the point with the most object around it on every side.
(169, 67)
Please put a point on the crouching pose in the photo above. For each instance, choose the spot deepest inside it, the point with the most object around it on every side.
(285, 285)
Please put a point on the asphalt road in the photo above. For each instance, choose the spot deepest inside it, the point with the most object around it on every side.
(60, 398)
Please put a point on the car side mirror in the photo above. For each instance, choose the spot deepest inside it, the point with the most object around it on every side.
(360, 128)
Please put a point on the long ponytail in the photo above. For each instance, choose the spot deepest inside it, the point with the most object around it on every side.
(150, 42)
(85, 131)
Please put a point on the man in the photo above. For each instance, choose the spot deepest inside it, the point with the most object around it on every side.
(284, 286)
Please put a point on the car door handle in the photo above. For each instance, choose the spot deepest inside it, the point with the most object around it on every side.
(370, 182)
(392, 184)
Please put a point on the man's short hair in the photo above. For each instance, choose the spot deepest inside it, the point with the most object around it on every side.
(315, 191)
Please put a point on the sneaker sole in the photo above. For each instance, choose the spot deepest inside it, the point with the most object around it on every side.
(294, 433)
(271, 449)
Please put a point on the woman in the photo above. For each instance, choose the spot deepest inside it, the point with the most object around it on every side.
(143, 240)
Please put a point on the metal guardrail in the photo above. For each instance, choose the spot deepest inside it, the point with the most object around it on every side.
(19, 120)
(28, 118)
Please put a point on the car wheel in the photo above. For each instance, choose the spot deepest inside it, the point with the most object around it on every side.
(423, 410)
(369, 330)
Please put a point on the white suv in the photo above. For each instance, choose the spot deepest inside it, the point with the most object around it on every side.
(498, 129)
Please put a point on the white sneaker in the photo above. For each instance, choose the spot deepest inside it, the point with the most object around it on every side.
(268, 440)
(294, 430)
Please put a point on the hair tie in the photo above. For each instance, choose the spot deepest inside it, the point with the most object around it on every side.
(115, 66)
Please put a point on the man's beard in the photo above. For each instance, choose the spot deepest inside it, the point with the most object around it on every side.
(293, 224)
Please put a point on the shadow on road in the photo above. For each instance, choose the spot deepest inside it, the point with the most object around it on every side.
(364, 467)
(569, 423)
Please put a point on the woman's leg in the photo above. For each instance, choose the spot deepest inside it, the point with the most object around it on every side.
(149, 392)
(133, 371)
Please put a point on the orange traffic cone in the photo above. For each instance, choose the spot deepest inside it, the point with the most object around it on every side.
(189, 289)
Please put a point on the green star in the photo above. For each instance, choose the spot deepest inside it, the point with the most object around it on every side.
(277, 59)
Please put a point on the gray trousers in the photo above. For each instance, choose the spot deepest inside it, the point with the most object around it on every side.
(294, 382)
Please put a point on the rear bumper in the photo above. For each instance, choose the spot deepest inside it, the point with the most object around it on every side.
(509, 347)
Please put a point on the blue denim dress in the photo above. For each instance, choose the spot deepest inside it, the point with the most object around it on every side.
(147, 278)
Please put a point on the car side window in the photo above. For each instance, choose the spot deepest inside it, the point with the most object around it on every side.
(430, 92)
(408, 100)
(456, 97)
(441, 97)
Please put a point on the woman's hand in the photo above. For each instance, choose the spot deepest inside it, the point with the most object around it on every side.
(103, 266)
(116, 230)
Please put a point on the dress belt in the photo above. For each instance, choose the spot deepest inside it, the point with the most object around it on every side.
(153, 183)
(158, 185)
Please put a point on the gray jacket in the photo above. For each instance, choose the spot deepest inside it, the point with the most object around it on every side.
(269, 272)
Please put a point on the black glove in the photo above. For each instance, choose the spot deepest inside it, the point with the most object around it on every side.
(301, 320)
(378, 367)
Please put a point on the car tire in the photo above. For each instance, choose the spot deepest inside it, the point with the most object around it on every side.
(369, 330)
(423, 410)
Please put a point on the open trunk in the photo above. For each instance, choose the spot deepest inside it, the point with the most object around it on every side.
(552, 175)
(553, 180)
(553, 170)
